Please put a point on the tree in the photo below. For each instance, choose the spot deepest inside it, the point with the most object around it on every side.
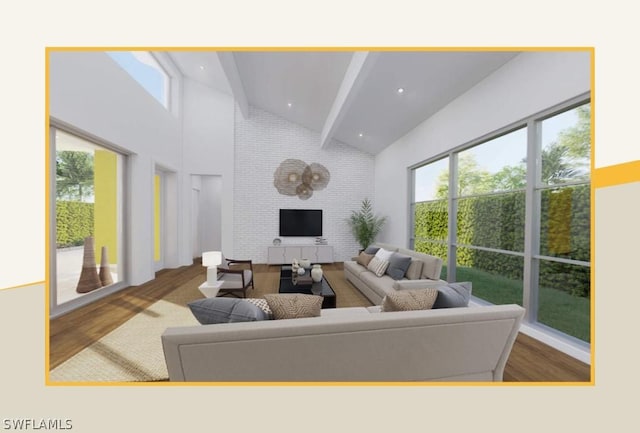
(511, 177)
(74, 175)
(557, 166)
(471, 178)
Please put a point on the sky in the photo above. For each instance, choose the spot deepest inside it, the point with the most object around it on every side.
(142, 67)
(492, 156)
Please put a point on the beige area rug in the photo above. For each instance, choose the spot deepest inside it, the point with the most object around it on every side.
(133, 351)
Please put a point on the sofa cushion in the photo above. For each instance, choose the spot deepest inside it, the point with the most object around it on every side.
(453, 295)
(371, 249)
(262, 304)
(364, 258)
(378, 266)
(409, 300)
(383, 254)
(431, 265)
(398, 265)
(414, 270)
(380, 285)
(225, 310)
(354, 267)
(294, 305)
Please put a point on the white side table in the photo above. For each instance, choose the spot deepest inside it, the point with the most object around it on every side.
(210, 290)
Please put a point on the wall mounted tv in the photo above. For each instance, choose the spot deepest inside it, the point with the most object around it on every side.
(300, 222)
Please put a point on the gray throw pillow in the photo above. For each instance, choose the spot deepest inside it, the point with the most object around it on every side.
(398, 265)
(225, 310)
(371, 250)
(453, 295)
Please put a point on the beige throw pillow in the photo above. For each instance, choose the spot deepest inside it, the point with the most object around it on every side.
(415, 270)
(378, 266)
(294, 305)
(408, 300)
(364, 259)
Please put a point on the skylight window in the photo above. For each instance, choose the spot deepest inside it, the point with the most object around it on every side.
(146, 70)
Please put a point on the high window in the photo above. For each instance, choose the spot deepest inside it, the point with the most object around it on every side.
(88, 218)
(511, 214)
(146, 70)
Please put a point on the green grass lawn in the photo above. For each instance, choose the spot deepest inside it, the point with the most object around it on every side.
(557, 309)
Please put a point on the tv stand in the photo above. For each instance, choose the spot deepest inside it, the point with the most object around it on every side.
(284, 254)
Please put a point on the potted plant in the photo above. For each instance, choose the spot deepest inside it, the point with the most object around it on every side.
(365, 226)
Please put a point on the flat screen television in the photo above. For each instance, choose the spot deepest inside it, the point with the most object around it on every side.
(300, 222)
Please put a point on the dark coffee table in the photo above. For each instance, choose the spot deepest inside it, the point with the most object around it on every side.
(322, 288)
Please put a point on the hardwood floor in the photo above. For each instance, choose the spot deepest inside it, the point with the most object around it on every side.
(530, 360)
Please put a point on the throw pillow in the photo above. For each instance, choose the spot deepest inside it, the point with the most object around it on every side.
(453, 295)
(294, 305)
(415, 270)
(225, 310)
(262, 304)
(398, 265)
(383, 254)
(371, 249)
(409, 300)
(364, 259)
(378, 266)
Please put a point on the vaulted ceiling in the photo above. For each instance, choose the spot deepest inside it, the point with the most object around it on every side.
(350, 97)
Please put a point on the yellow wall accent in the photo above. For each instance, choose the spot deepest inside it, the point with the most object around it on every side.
(156, 219)
(105, 167)
(616, 174)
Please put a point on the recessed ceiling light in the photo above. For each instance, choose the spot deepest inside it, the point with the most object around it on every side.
(360, 135)
(400, 89)
(289, 104)
(202, 67)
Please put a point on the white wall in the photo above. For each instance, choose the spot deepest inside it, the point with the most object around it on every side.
(210, 230)
(209, 150)
(531, 82)
(92, 93)
(263, 141)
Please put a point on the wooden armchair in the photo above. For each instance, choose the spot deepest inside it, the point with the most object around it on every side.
(237, 277)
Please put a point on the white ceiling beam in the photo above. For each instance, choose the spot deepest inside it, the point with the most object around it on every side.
(228, 63)
(354, 77)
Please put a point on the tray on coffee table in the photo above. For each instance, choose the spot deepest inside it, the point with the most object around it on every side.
(290, 285)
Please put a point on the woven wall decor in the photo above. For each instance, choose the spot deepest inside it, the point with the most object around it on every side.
(295, 177)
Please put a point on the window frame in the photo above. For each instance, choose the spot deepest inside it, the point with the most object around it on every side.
(533, 190)
(56, 309)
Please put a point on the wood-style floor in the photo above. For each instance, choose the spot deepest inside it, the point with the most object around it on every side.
(530, 360)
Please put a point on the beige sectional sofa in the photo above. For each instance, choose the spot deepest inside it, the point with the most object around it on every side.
(375, 288)
(349, 345)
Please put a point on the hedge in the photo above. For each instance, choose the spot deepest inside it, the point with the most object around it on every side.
(497, 221)
(74, 222)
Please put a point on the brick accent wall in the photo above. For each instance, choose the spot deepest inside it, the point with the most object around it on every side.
(262, 142)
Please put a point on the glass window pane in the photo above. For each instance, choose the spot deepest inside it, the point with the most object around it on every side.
(493, 166)
(143, 68)
(431, 220)
(566, 146)
(496, 277)
(565, 223)
(87, 217)
(564, 298)
(492, 221)
(432, 181)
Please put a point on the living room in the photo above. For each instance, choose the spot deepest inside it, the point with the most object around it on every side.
(209, 142)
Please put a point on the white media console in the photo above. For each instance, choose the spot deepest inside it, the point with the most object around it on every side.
(284, 254)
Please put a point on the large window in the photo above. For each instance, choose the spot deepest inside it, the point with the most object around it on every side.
(430, 210)
(514, 219)
(563, 192)
(88, 217)
(146, 70)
